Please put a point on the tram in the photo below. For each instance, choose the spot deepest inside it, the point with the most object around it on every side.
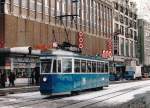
(68, 72)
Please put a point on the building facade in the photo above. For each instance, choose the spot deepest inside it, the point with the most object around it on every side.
(144, 40)
(125, 31)
(39, 23)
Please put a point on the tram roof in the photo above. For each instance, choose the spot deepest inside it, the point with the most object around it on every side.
(62, 53)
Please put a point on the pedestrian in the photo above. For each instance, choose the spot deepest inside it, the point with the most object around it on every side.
(32, 77)
(12, 78)
(0, 78)
(3, 78)
(37, 75)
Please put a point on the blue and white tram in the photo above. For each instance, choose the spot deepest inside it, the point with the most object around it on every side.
(66, 72)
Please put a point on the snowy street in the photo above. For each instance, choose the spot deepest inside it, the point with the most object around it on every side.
(112, 96)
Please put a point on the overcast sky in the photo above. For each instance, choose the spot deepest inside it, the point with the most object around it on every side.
(143, 7)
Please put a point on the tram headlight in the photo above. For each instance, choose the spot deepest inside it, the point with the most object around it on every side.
(44, 79)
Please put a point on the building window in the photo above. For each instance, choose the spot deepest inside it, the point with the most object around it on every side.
(121, 9)
(126, 11)
(24, 4)
(130, 14)
(116, 27)
(131, 49)
(2, 6)
(127, 48)
(122, 46)
(16, 2)
(121, 19)
(126, 20)
(116, 6)
(122, 30)
(39, 7)
(32, 5)
(135, 16)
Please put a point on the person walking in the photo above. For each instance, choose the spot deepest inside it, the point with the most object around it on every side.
(37, 75)
(12, 78)
(3, 78)
(32, 77)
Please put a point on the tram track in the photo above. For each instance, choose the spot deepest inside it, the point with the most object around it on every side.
(27, 102)
(81, 104)
(88, 102)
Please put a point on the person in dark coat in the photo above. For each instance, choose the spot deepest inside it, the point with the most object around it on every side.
(37, 75)
(3, 78)
(32, 77)
(12, 78)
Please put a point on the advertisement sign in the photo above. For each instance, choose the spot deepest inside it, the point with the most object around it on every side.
(80, 40)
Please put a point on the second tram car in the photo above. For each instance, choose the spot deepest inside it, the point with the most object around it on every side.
(67, 72)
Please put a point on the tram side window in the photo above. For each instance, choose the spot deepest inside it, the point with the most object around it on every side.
(59, 66)
(83, 66)
(106, 67)
(102, 67)
(98, 67)
(54, 66)
(76, 66)
(89, 67)
(94, 67)
(67, 65)
(46, 66)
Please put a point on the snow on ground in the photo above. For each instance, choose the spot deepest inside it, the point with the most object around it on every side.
(35, 95)
(107, 90)
(112, 90)
(115, 94)
(128, 96)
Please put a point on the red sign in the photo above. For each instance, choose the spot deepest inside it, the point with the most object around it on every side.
(106, 54)
(1, 43)
(80, 40)
(55, 44)
(109, 44)
(43, 47)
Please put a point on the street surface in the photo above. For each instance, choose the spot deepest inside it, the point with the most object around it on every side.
(122, 95)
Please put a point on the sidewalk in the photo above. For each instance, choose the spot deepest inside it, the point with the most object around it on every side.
(18, 89)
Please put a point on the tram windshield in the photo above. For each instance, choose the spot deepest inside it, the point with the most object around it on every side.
(46, 66)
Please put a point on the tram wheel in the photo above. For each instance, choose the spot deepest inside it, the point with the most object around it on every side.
(73, 93)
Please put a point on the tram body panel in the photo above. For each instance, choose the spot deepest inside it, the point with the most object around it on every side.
(61, 83)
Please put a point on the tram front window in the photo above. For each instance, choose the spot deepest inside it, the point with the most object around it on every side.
(46, 66)
(67, 65)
